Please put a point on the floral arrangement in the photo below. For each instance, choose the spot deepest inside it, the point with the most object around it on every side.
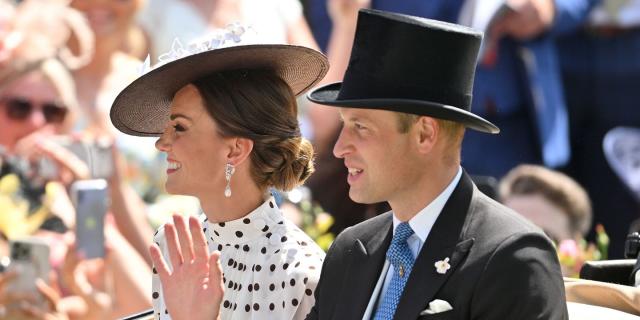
(313, 220)
(573, 253)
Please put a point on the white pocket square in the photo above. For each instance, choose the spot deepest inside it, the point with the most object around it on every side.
(436, 306)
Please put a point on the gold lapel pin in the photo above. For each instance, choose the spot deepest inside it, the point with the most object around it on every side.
(401, 271)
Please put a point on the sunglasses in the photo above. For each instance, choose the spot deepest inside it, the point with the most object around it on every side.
(20, 109)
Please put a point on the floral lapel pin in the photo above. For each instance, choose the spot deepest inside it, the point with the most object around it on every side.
(442, 266)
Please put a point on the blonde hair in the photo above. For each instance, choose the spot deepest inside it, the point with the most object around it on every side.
(42, 30)
(36, 41)
(558, 188)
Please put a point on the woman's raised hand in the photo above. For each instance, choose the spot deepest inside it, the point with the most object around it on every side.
(192, 287)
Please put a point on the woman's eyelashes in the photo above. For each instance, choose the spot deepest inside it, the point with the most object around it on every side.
(176, 126)
(179, 128)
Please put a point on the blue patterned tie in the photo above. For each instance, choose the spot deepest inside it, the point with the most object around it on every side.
(400, 256)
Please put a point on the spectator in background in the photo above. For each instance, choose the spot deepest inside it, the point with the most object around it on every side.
(601, 69)
(37, 92)
(550, 199)
(110, 67)
(109, 70)
(37, 101)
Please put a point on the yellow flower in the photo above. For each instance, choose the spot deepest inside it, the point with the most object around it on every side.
(9, 184)
(15, 220)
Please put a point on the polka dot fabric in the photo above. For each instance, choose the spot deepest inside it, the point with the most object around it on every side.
(270, 267)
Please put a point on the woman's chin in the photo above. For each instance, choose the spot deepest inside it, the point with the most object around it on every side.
(173, 189)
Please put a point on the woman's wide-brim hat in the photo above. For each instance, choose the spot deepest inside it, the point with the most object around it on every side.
(411, 65)
(142, 108)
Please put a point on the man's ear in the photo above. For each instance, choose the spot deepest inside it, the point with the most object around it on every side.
(427, 130)
(239, 150)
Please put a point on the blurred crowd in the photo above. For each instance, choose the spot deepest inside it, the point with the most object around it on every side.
(555, 76)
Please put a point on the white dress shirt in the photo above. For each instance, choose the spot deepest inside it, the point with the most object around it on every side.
(421, 224)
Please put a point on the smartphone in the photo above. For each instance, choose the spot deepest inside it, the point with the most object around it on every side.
(96, 154)
(91, 200)
(30, 261)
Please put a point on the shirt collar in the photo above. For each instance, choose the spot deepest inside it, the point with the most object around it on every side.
(423, 221)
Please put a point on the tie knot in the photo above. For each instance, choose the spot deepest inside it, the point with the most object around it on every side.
(399, 251)
(403, 232)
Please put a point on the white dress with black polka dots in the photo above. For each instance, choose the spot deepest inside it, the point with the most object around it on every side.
(270, 267)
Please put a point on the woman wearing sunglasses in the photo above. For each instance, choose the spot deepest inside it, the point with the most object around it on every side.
(37, 104)
(35, 100)
(37, 91)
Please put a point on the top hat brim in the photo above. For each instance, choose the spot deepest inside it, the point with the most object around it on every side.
(143, 107)
(329, 95)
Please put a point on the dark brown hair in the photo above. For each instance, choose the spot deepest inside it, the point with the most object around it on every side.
(259, 105)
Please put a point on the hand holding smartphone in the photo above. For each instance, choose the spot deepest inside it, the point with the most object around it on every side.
(91, 200)
(96, 155)
(29, 261)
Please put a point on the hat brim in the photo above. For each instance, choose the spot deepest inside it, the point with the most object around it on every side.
(328, 95)
(142, 108)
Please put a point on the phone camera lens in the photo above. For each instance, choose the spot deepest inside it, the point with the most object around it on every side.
(20, 252)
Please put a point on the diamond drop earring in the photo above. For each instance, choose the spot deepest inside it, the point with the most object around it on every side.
(229, 169)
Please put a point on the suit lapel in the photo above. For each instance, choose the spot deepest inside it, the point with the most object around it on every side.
(444, 240)
(368, 256)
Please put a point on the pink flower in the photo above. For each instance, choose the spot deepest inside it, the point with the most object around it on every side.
(568, 248)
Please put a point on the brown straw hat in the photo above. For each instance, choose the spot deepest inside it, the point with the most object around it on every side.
(142, 108)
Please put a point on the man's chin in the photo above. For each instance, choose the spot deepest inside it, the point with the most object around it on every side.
(360, 197)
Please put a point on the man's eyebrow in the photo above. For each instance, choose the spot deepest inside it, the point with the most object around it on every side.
(179, 115)
(359, 118)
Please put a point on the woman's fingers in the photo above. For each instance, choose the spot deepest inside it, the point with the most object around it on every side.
(160, 265)
(200, 247)
(51, 296)
(184, 236)
(65, 159)
(28, 311)
(215, 282)
(9, 298)
(175, 254)
(74, 273)
(69, 267)
(215, 273)
(6, 278)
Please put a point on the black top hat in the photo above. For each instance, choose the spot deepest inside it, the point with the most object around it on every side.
(409, 64)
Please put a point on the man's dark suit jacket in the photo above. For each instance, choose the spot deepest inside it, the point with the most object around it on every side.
(502, 267)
